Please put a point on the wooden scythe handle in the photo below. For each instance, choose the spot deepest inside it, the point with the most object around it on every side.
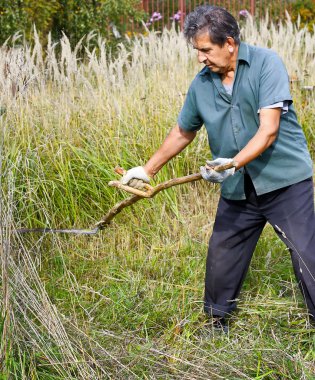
(151, 191)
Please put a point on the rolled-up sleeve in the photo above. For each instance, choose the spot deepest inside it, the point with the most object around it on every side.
(189, 118)
(274, 83)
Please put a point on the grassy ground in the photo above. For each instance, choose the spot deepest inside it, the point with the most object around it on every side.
(127, 303)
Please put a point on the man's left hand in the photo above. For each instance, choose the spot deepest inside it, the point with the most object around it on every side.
(213, 176)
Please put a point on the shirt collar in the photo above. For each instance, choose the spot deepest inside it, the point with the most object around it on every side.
(243, 55)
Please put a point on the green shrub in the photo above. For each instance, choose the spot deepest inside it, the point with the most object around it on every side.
(75, 18)
(305, 9)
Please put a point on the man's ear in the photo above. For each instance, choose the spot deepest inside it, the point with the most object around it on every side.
(230, 44)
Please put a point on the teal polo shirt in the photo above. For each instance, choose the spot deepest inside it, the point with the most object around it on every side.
(231, 121)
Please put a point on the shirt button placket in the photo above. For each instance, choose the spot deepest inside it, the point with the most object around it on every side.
(235, 127)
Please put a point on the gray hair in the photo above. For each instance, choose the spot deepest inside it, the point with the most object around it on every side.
(217, 21)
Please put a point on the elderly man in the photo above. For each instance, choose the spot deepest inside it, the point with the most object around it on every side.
(242, 97)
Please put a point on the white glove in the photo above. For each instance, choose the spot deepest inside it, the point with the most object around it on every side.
(214, 176)
(134, 174)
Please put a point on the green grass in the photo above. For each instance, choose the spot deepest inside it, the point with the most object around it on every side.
(127, 303)
(148, 308)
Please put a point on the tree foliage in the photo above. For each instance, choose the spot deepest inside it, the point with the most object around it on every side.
(305, 10)
(72, 17)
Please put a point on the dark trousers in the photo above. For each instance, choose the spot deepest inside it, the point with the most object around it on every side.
(237, 228)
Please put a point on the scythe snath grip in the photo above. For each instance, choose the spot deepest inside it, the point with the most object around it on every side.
(152, 191)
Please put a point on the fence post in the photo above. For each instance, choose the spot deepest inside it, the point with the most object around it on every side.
(181, 8)
(252, 7)
(145, 5)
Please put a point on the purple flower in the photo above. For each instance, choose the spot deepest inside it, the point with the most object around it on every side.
(176, 16)
(156, 16)
(244, 13)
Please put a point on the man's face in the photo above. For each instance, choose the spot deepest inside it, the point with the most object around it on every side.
(217, 58)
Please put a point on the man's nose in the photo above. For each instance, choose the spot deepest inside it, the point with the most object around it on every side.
(201, 56)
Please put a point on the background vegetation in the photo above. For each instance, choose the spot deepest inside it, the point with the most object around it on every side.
(127, 303)
(305, 12)
(75, 18)
(112, 19)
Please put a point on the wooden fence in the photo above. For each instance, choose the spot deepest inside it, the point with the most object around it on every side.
(164, 12)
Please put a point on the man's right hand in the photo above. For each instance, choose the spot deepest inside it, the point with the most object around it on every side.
(136, 177)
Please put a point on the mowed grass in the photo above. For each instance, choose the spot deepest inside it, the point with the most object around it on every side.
(127, 303)
(141, 298)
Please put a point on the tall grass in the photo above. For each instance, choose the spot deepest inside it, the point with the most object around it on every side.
(128, 303)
